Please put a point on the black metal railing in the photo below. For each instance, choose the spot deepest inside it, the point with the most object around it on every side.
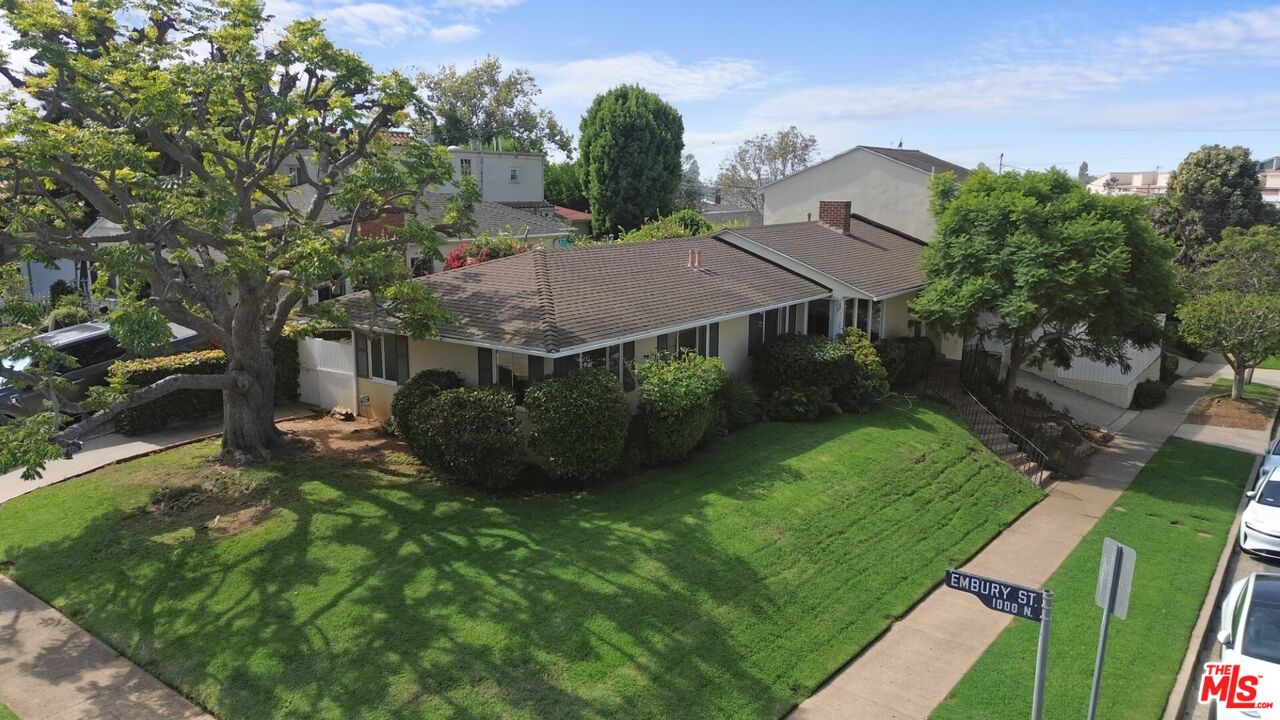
(1008, 428)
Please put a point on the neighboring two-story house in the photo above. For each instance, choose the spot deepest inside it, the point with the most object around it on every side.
(887, 185)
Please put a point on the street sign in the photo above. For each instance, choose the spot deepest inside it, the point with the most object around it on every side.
(998, 595)
(1023, 602)
(1115, 578)
(1113, 554)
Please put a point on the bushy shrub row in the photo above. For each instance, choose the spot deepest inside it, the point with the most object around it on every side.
(187, 404)
(1148, 394)
(470, 434)
(579, 423)
(906, 360)
(677, 404)
(809, 376)
(420, 389)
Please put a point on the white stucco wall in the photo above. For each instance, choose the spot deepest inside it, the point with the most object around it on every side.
(733, 345)
(423, 355)
(492, 171)
(879, 188)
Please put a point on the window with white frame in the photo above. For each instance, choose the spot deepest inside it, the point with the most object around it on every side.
(513, 373)
(382, 356)
(515, 174)
(464, 167)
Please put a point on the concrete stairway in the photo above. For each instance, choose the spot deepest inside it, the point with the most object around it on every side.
(944, 381)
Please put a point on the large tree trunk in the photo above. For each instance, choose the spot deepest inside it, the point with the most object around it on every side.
(1016, 354)
(1237, 385)
(249, 431)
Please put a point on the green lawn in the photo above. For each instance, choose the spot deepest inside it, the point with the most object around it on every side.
(1271, 363)
(730, 586)
(7, 714)
(1176, 515)
(1252, 391)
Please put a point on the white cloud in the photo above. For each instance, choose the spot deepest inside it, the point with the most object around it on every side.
(581, 80)
(1028, 74)
(478, 5)
(374, 23)
(457, 32)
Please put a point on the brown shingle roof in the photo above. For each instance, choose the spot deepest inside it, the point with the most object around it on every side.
(920, 160)
(872, 258)
(554, 299)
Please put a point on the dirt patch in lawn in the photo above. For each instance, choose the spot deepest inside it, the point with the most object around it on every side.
(1222, 411)
(358, 440)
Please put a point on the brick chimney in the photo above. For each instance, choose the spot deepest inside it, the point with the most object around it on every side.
(835, 214)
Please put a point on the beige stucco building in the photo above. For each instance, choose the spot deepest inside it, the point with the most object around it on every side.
(886, 185)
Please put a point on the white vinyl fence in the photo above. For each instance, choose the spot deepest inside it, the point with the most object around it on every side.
(327, 372)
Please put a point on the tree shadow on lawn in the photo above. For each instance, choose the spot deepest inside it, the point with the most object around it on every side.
(369, 595)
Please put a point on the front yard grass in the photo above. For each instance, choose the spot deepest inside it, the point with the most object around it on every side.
(728, 586)
(1176, 515)
(1271, 363)
(7, 714)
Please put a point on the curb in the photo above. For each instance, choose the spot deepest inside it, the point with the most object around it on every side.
(1200, 642)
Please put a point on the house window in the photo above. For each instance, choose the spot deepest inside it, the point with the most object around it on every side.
(687, 339)
(515, 174)
(877, 320)
(464, 167)
(513, 373)
(382, 356)
(819, 317)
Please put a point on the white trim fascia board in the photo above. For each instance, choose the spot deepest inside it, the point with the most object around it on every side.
(587, 347)
(900, 293)
(772, 255)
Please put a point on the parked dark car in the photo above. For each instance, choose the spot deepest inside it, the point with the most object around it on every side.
(94, 350)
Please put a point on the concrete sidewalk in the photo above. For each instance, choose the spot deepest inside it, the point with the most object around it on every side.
(912, 668)
(114, 447)
(52, 669)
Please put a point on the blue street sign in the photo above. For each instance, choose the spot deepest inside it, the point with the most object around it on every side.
(998, 595)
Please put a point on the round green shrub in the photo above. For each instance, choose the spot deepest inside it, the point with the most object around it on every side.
(803, 361)
(796, 403)
(906, 360)
(1148, 394)
(422, 387)
(677, 403)
(66, 315)
(738, 402)
(579, 422)
(870, 380)
(471, 435)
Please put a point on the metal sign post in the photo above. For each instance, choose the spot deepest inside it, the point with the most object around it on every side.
(1042, 655)
(1115, 580)
(1020, 601)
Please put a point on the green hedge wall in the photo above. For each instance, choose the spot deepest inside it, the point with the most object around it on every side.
(188, 404)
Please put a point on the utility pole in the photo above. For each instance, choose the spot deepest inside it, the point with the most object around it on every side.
(1001, 170)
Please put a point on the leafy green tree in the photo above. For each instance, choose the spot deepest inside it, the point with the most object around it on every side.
(1234, 302)
(1244, 327)
(562, 185)
(484, 106)
(1048, 269)
(1082, 175)
(1212, 189)
(759, 160)
(689, 194)
(629, 149)
(239, 170)
(681, 223)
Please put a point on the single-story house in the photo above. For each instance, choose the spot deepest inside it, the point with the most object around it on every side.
(579, 220)
(544, 312)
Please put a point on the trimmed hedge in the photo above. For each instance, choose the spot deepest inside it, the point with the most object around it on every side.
(1148, 394)
(677, 403)
(471, 435)
(803, 361)
(906, 360)
(579, 423)
(179, 405)
(871, 379)
(421, 388)
(188, 404)
(795, 403)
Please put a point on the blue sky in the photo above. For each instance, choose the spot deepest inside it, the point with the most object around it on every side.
(1125, 86)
